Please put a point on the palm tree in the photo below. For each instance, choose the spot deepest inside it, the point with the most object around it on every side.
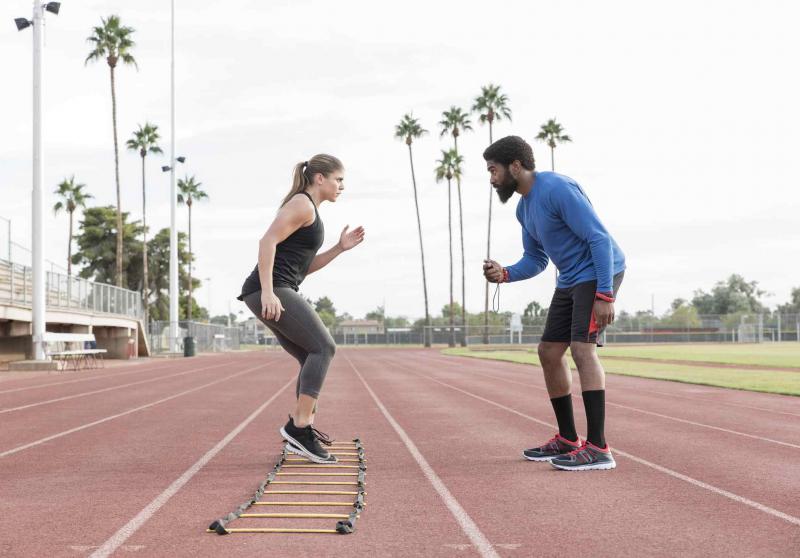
(551, 134)
(113, 42)
(491, 105)
(72, 197)
(144, 140)
(189, 192)
(410, 129)
(450, 167)
(454, 121)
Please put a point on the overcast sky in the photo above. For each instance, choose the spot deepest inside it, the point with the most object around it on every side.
(684, 117)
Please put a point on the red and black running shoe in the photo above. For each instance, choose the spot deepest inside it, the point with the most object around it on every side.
(586, 458)
(555, 446)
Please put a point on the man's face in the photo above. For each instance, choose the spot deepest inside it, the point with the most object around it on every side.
(500, 177)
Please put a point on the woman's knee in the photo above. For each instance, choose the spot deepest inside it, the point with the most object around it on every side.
(328, 347)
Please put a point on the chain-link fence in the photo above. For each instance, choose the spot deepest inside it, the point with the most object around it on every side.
(729, 328)
(208, 338)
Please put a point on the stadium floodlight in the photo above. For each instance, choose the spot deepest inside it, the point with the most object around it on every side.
(53, 7)
(22, 23)
(167, 168)
(181, 159)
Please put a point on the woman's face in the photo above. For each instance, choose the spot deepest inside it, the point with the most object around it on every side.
(331, 186)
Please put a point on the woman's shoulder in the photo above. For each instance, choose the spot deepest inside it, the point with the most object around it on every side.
(300, 207)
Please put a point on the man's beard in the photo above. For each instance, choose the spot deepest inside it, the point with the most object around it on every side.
(506, 189)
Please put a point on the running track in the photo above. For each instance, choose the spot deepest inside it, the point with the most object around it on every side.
(138, 460)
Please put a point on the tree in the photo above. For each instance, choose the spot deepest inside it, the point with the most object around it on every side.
(454, 121)
(97, 241)
(72, 197)
(729, 297)
(490, 105)
(327, 312)
(681, 315)
(113, 42)
(793, 306)
(449, 167)
(533, 310)
(378, 314)
(551, 133)
(410, 129)
(189, 191)
(144, 140)
(158, 254)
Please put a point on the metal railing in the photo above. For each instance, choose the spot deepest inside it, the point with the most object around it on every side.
(67, 292)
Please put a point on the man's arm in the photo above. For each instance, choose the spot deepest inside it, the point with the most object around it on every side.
(579, 215)
(532, 263)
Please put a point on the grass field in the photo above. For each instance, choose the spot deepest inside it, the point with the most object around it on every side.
(771, 381)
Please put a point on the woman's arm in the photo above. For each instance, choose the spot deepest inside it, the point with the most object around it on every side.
(347, 241)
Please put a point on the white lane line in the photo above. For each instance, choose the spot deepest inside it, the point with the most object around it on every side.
(469, 527)
(110, 373)
(118, 538)
(676, 419)
(619, 377)
(735, 497)
(124, 413)
(86, 393)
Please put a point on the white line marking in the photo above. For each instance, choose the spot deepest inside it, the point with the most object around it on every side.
(108, 374)
(735, 497)
(469, 527)
(143, 516)
(84, 394)
(128, 412)
(676, 419)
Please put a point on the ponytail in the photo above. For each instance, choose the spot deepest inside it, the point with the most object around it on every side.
(305, 171)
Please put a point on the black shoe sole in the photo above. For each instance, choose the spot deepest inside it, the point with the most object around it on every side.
(297, 448)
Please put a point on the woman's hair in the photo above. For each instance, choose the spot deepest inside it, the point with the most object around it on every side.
(304, 173)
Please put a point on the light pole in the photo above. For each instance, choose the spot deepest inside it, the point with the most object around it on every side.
(173, 229)
(37, 230)
(208, 282)
(9, 237)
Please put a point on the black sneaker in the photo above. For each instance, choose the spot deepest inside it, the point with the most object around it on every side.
(586, 458)
(307, 442)
(555, 446)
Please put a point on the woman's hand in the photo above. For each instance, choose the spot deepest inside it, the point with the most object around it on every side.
(348, 240)
(271, 306)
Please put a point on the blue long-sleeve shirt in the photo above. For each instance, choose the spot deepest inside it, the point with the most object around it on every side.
(560, 224)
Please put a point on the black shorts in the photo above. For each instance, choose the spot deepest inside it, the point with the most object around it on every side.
(571, 313)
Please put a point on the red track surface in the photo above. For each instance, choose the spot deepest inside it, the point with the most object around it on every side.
(139, 460)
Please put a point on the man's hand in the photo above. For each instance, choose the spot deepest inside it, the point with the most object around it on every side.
(493, 271)
(603, 313)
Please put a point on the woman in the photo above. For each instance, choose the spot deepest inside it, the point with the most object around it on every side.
(286, 254)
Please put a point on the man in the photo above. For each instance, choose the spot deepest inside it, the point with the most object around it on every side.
(560, 224)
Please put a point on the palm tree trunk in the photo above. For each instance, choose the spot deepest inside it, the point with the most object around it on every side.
(189, 302)
(144, 245)
(69, 248)
(488, 255)
(426, 341)
(463, 272)
(116, 175)
(452, 342)
(553, 159)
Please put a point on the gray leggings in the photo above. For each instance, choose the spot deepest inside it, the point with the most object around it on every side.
(302, 334)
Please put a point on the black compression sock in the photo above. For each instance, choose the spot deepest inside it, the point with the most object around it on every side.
(595, 404)
(566, 420)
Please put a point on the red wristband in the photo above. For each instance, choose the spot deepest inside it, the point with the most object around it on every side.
(604, 296)
(505, 276)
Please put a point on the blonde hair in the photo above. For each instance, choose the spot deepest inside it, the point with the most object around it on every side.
(305, 171)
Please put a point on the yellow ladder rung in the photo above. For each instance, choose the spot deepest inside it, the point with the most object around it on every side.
(300, 460)
(296, 515)
(346, 454)
(315, 492)
(277, 530)
(312, 483)
(320, 466)
(318, 474)
(343, 504)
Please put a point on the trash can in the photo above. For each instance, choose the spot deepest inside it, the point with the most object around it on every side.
(188, 346)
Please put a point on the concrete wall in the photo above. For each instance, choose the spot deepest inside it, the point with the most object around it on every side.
(119, 342)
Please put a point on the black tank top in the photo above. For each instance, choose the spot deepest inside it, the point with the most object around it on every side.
(293, 257)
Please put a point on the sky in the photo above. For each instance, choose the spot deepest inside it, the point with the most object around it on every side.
(684, 118)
